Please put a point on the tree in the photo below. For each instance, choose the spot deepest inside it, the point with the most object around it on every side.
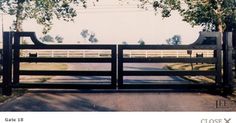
(59, 39)
(214, 15)
(141, 42)
(90, 36)
(125, 43)
(43, 11)
(47, 38)
(84, 33)
(175, 40)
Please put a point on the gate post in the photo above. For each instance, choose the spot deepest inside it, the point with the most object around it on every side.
(218, 64)
(7, 63)
(234, 56)
(227, 63)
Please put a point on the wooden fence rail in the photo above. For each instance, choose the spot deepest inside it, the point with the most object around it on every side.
(128, 53)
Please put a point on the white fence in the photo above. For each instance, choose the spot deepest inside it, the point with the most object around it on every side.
(167, 53)
(107, 53)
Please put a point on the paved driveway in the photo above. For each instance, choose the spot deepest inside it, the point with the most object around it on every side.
(130, 79)
(74, 101)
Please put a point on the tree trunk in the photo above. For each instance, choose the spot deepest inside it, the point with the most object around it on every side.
(220, 27)
(19, 18)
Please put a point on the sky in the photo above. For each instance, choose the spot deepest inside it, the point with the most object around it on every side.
(114, 22)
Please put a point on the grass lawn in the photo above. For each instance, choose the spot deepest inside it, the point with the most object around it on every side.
(34, 66)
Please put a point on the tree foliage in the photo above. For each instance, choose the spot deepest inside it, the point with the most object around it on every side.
(141, 42)
(125, 43)
(90, 36)
(43, 11)
(84, 33)
(59, 39)
(216, 15)
(47, 38)
(175, 40)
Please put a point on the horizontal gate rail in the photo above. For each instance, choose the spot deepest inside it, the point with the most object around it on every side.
(63, 86)
(65, 73)
(66, 46)
(170, 60)
(169, 73)
(168, 47)
(71, 60)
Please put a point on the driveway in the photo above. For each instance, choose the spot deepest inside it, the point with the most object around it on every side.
(75, 100)
(127, 79)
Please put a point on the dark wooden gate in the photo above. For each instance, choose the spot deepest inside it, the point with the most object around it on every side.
(207, 41)
(11, 78)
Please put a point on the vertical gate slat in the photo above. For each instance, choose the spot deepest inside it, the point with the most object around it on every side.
(120, 66)
(113, 66)
(16, 66)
